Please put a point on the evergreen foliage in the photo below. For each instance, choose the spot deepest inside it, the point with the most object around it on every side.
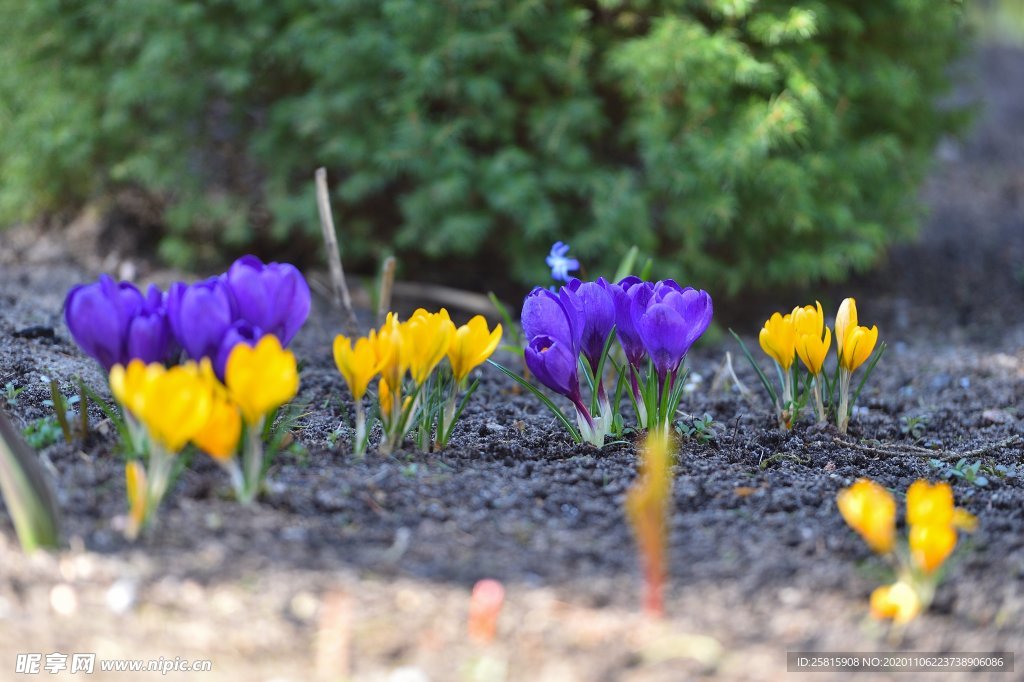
(745, 142)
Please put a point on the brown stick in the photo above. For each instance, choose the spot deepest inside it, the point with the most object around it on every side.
(387, 286)
(342, 299)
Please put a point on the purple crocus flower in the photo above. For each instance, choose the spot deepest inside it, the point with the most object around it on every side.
(599, 316)
(560, 263)
(554, 365)
(240, 331)
(669, 321)
(113, 323)
(200, 315)
(272, 297)
(622, 295)
(559, 316)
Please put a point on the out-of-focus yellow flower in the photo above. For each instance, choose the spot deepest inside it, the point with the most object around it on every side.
(173, 404)
(426, 338)
(931, 545)
(647, 509)
(857, 347)
(357, 363)
(472, 344)
(261, 378)
(130, 385)
(846, 320)
(220, 435)
(965, 520)
(138, 494)
(871, 511)
(384, 397)
(778, 339)
(177, 406)
(929, 504)
(899, 602)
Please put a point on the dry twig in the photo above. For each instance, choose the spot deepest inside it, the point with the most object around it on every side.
(342, 299)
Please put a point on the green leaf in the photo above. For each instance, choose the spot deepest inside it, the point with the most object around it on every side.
(26, 492)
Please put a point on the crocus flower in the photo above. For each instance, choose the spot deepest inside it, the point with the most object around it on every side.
(857, 347)
(899, 602)
(778, 340)
(357, 363)
(220, 435)
(137, 487)
(240, 331)
(427, 337)
(871, 511)
(173, 404)
(200, 315)
(929, 504)
(933, 522)
(846, 320)
(931, 545)
(262, 378)
(559, 316)
(553, 362)
(560, 263)
(624, 329)
(670, 321)
(471, 345)
(389, 347)
(113, 323)
(599, 318)
(273, 297)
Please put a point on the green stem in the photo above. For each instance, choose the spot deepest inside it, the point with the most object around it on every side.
(843, 415)
(252, 462)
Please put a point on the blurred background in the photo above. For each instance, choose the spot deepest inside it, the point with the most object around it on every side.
(744, 144)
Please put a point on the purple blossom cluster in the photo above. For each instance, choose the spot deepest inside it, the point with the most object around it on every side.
(658, 321)
(114, 323)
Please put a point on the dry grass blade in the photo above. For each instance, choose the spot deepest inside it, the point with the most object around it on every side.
(342, 298)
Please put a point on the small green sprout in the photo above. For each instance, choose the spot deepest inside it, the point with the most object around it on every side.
(11, 393)
(962, 470)
(915, 427)
(700, 429)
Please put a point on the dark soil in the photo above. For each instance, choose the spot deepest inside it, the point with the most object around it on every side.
(363, 568)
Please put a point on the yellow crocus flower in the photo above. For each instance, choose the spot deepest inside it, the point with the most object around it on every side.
(426, 337)
(871, 511)
(357, 363)
(388, 345)
(846, 320)
(813, 349)
(138, 494)
(929, 504)
(857, 347)
(899, 602)
(173, 404)
(384, 398)
(261, 378)
(778, 339)
(178, 404)
(130, 385)
(931, 545)
(220, 435)
(471, 346)
(809, 319)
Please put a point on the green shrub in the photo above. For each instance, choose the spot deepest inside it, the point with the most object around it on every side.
(744, 142)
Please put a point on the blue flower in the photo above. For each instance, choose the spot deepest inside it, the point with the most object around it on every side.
(560, 265)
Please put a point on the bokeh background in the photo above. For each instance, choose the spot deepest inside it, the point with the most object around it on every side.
(744, 144)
